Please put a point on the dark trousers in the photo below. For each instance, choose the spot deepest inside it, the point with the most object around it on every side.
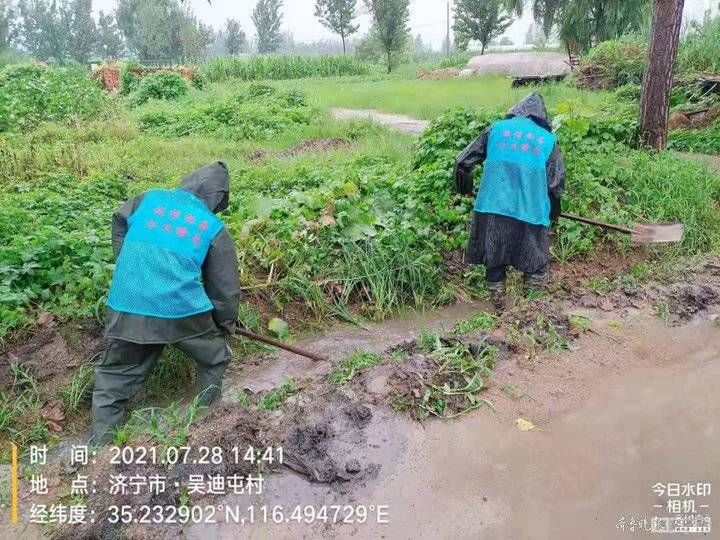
(498, 274)
(126, 366)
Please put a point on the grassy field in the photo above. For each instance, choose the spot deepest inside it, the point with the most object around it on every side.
(424, 99)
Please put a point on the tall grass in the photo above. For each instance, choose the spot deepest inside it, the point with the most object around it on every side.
(700, 50)
(282, 67)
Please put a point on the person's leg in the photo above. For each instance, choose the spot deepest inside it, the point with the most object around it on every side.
(495, 280)
(118, 377)
(539, 280)
(212, 355)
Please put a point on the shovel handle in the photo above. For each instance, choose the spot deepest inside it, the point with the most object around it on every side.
(280, 345)
(600, 224)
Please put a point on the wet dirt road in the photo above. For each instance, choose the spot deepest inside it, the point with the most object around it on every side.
(634, 405)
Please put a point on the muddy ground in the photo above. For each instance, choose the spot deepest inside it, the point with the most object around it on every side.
(626, 400)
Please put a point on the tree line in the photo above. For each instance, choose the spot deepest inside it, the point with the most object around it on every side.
(164, 30)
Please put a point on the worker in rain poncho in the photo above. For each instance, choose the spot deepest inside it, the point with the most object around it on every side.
(519, 196)
(175, 282)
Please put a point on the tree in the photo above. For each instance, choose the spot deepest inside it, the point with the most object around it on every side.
(390, 25)
(480, 20)
(588, 22)
(81, 38)
(337, 16)
(110, 43)
(235, 40)
(268, 19)
(150, 28)
(42, 32)
(658, 79)
(8, 20)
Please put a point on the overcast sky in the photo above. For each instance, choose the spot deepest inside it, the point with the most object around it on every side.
(427, 17)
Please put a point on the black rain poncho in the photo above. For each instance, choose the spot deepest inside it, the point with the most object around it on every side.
(497, 240)
(219, 272)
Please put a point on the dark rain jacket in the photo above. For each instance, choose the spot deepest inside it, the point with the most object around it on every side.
(220, 277)
(499, 240)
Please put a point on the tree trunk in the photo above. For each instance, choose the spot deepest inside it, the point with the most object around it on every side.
(482, 50)
(389, 56)
(342, 36)
(658, 79)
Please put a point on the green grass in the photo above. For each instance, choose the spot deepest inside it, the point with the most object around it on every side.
(354, 365)
(277, 396)
(481, 321)
(420, 98)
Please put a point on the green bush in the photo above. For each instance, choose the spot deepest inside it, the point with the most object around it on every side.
(31, 94)
(258, 113)
(129, 78)
(164, 85)
(614, 63)
(281, 67)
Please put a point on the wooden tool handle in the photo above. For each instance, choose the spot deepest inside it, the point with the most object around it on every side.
(600, 224)
(281, 345)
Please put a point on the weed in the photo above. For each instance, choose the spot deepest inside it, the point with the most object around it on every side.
(31, 94)
(482, 321)
(78, 391)
(662, 309)
(580, 323)
(168, 427)
(164, 85)
(276, 397)
(172, 375)
(21, 419)
(244, 399)
(353, 365)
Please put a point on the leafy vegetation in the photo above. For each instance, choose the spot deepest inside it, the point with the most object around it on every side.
(281, 67)
(260, 112)
(704, 141)
(164, 85)
(31, 94)
(353, 365)
(276, 397)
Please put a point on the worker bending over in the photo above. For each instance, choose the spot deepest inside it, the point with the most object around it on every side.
(175, 282)
(519, 196)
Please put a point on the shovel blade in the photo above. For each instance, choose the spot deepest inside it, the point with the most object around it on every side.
(657, 234)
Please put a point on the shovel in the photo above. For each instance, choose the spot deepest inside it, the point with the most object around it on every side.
(649, 233)
(280, 345)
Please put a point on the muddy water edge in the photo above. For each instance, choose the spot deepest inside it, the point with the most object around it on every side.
(632, 402)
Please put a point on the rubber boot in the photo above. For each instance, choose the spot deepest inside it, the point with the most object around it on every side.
(537, 282)
(498, 298)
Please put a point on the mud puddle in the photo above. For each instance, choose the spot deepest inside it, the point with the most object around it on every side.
(267, 373)
(617, 415)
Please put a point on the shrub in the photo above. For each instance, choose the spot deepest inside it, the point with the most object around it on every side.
(129, 77)
(614, 63)
(32, 94)
(281, 67)
(164, 85)
(258, 113)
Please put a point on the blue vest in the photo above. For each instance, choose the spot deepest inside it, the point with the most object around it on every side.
(158, 272)
(514, 181)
